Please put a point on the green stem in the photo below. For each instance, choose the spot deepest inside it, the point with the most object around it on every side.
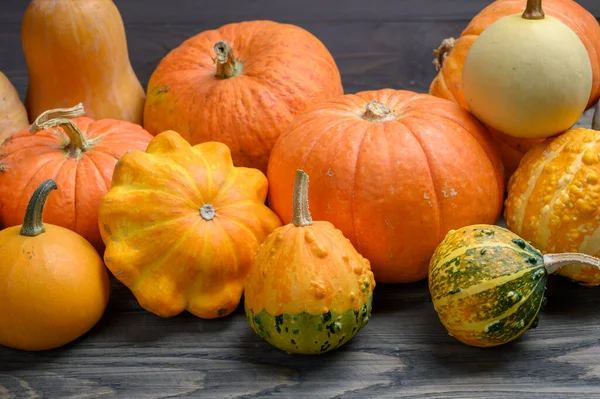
(33, 224)
(227, 65)
(59, 117)
(553, 262)
(301, 216)
(533, 10)
(596, 118)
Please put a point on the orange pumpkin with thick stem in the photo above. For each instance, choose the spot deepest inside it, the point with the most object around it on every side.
(241, 85)
(79, 153)
(451, 54)
(13, 115)
(181, 226)
(394, 171)
(76, 51)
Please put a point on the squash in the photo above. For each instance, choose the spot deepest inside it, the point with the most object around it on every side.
(181, 225)
(53, 285)
(487, 284)
(394, 171)
(541, 80)
(554, 198)
(13, 115)
(308, 291)
(79, 153)
(76, 51)
(241, 85)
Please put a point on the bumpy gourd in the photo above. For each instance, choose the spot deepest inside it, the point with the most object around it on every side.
(181, 225)
(13, 115)
(309, 291)
(76, 51)
(487, 284)
(528, 75)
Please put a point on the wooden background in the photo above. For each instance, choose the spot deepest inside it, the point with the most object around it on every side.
(404, 351)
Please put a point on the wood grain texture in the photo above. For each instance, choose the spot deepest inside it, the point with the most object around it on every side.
(404, 352)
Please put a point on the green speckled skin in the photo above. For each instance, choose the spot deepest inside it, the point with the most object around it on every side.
(307, 333)
(487, 284)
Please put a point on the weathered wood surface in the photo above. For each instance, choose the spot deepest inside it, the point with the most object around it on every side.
(404, 350)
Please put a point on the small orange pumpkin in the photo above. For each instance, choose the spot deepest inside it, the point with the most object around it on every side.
(181, 226)
(53, 284)
(13, 115)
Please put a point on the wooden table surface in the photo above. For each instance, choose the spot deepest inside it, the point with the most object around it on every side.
(403, 352)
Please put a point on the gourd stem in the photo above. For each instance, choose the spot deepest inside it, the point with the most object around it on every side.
(301, 216)
(227, 65)
(553, 262)
(596, 118)
(377, 112)
(59, 117)
(32, 223)
(533, 10)
(442, 52)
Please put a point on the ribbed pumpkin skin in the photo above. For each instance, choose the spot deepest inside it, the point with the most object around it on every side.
(308, 290)
(285, 69)
(161, 245)
(13, 115)
(28, 159)
(394, 188)
(554, 199)
(447, 84)
(487, 285)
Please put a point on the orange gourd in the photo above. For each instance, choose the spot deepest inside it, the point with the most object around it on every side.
(450, 58)
(554, 198)
(13, 115)
(394, 171)
(181, 226)
(79, 153)
(241, 85)
(53, 285)
(76, 51)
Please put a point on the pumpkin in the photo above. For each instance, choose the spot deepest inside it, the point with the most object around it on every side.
(394, 171)
(13, 115)
(76, 51)
(554, 197)
(308, 291)
(241, 85)
(451, 54)
(487, 284)
(541, 80)
(79, 153)
(181, 225)
(53, 285)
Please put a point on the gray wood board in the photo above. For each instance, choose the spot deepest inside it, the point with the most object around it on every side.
(404, 351)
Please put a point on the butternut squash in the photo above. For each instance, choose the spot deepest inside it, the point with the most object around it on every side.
(13, 115)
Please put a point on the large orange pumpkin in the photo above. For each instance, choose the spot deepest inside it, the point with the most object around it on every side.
(394, 171)
(450, 58)
(240, 85)
(78, 153)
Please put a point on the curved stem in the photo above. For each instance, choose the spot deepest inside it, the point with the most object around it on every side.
(596, 118)
(59, 117)
(227, 65)
(553, 262)
(33, 224)
(301, 216)
(377, 112)
(442, 52)
(533, 10)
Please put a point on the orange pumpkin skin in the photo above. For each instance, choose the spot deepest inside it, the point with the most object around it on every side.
(393, 187)
(54, 288)
(83, 177)
(281, 70)
(76, 51)
(447, 83)
(181, 226)
(13, 115)
(554, 199)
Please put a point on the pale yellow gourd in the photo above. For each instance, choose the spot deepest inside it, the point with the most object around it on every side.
(528, 75)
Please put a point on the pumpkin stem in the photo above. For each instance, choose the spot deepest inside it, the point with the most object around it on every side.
(596, 118)
(377, 112)
(533, 10)
(59, 117)
(553, 262)
(301, 216)
(442, 52)
(227, 65)
(32, 223)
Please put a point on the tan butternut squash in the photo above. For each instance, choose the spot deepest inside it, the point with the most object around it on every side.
(13, 115)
